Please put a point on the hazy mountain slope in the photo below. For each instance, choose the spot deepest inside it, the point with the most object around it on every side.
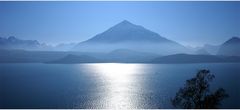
(69, 59)
(126, 35)
(231, 47)
(201, 52)
(211, 49)
(121, 55)
(124, 55)
(116, 56)
(22, 56)
(186, 58)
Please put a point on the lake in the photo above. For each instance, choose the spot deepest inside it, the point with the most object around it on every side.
(107, 85)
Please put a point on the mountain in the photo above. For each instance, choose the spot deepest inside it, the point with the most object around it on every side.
(126, 35)
(230, 48)
(69, 59)
(186, 58)
(15, 43)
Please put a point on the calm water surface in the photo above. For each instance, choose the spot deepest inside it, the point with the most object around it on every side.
(107, 85)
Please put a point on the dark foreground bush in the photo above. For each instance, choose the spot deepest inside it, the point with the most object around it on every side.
(196, 93)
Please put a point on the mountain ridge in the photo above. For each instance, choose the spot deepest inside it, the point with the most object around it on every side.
(13, 43)
(33, 45)
(128, 28)
(230, 47)
(126, 35)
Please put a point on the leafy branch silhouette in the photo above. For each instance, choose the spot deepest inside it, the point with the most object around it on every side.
(196, 93)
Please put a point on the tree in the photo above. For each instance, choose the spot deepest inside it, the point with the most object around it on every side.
(196, 93)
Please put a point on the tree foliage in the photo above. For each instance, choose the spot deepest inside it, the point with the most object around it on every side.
(196, 93)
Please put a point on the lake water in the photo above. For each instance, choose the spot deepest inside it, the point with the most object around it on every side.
(107, 85)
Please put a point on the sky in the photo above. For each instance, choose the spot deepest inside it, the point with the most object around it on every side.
(189, 23)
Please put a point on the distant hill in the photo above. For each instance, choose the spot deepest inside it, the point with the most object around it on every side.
(70, 59)
(186, 58)
(211, 49)
(121, 55)
(126, 35)
(230, 48)
(23, 56)
(125, 55)
(116, 56)
(202, 52)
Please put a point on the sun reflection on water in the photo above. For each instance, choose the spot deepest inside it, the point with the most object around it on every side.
(120, 83)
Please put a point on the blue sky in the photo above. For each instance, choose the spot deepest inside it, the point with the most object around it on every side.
(189, 23)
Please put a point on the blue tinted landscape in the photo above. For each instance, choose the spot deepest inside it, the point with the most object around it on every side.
(119, 55)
